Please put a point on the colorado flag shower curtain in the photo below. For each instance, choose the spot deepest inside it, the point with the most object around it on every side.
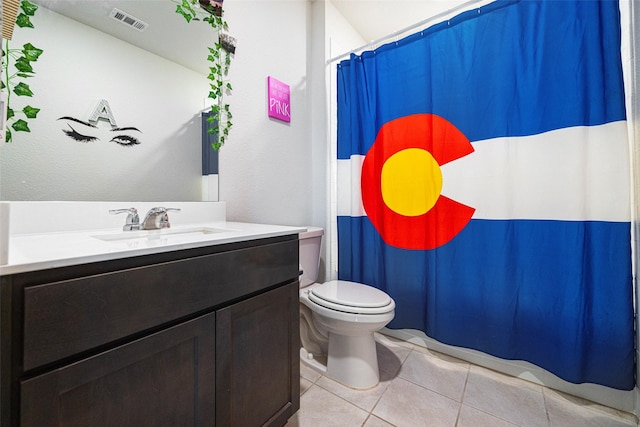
(483, 182)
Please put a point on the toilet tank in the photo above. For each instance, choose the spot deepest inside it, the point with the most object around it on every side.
(310, 242)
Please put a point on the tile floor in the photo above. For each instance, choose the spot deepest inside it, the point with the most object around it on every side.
(420, 387)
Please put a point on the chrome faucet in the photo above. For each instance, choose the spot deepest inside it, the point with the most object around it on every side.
(157, 218)
(132, 221)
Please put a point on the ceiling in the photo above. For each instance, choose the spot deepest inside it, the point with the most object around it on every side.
(160, 35)
(373, 19)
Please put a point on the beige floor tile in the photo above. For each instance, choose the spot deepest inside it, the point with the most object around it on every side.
(420, 387)
(589, 405)
(471, 417)
(374, 421)
(320, 408)
(305, 384)
(436, 371)
(508, 398)
(365, 399)
(569, 411)
(391, 353)
(405, 404)
(308, 373)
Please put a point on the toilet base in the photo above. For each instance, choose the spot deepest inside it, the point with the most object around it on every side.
(352, 361)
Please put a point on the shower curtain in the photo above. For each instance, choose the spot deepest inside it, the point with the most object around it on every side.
(483, 183)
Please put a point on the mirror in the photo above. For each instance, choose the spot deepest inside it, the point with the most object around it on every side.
(121, 86)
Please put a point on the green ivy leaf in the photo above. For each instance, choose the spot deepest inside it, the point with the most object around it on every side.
(22, 89)
(10, 113)
(218, 69)
(23, 21)
(23, 64)
(24, 75)
(21, 126)
(2, 85)
(31, 52)
(28, 7)
(30, 112)
(185, 14)
(7, 136)
(189, 6)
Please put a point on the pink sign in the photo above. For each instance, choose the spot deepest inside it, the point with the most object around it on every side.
(279, 100)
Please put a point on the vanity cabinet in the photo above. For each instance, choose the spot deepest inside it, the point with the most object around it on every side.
(205, 336)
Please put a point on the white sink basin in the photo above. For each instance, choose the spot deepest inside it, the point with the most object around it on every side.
(168, 234)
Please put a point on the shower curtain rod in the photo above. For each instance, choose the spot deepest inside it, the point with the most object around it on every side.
(409, 28)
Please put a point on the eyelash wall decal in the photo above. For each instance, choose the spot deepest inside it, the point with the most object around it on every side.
(78, 136)
(125, 140)
(122, 140)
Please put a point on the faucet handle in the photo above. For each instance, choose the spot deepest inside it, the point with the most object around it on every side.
(132, 221)
(164, 221)
(157, 218)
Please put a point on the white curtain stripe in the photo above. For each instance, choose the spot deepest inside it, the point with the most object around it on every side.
(553, 169)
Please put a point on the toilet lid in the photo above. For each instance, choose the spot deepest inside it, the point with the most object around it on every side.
(347, 296)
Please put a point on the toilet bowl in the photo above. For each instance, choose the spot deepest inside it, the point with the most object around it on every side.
(338, 320)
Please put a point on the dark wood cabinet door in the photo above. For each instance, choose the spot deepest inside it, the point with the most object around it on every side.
(164, 379)
(257, 367)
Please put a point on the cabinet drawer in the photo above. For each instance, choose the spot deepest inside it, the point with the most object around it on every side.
(65, 318)
(164, 379)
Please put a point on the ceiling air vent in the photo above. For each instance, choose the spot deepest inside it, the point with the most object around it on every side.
(129, 20)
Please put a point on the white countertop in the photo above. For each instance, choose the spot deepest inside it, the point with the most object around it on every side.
(30, 252)
(43, 235)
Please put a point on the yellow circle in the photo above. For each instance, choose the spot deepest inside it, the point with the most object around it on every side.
(411, 182)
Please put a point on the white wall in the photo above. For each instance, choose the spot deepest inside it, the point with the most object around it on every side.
(631, 62)
(339, 37)
(266, 165)
(79, 67)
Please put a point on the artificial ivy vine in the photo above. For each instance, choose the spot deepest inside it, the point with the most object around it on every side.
(14, 83)
(220, 59)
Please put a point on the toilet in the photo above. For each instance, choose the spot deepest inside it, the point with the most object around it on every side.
(338, 320)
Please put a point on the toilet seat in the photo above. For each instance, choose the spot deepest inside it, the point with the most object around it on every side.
(350, 297)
